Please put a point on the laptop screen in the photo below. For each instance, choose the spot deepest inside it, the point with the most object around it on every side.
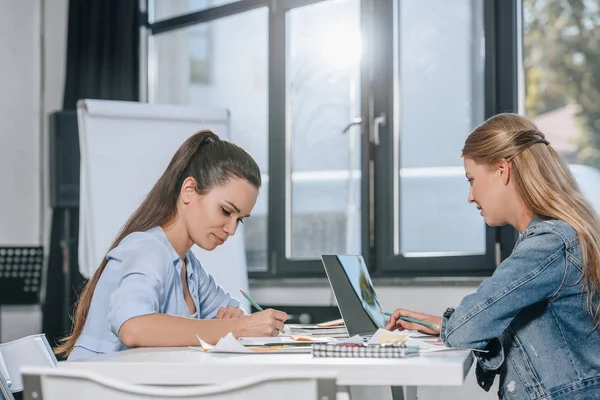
(354, 292)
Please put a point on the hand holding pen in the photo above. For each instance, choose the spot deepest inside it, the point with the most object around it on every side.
(405, 319)
(263, 323)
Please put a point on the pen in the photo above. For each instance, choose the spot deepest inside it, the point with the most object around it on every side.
(293, 344)
(251, 300)
(255, 304)
(416, 321)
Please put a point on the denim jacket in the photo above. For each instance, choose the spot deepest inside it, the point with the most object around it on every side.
(531, 316)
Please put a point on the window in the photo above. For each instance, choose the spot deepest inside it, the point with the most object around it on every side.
(323, 97)
(165, 9)
(223, 64)
(201, 57)
(440, 101)
(439, 98)
(356, 111)
(561, 59)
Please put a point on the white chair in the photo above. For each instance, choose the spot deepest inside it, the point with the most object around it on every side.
(70, 384)
(30, 350)
(5, 393)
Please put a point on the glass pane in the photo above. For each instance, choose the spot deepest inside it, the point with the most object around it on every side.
(441, 94)
(323, 70)
(165, 9)
(224, 64)
(561, 57)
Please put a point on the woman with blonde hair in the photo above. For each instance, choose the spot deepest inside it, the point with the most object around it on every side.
(150, 290)
(538, 315)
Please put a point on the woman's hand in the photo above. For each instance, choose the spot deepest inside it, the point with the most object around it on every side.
(264, 323)
(230, 312)
(400, 324)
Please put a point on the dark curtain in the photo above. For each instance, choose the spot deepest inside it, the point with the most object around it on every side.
(102, 51)
(102, 63)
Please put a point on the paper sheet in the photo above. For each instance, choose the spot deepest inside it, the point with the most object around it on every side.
(426, 343)
(285, 344)
(335, 322)
(261, 341)
(229, 344)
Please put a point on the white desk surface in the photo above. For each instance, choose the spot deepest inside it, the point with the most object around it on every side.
(184, 366)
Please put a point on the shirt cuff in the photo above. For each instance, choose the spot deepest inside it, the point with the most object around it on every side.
(234, 302)
(494, 358)
(215, 309)
(447, 314)
(491, 360)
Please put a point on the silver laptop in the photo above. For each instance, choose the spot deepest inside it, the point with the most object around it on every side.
(354, 293)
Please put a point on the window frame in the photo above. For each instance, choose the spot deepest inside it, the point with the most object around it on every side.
(502, 28)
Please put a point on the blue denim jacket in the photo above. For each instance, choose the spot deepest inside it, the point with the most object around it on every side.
(531, 315)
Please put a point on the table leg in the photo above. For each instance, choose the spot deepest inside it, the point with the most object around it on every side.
(343, 393)
(370, 392)
(397, 393)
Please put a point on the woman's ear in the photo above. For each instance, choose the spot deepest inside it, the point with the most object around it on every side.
(504, 170)
(188, 190)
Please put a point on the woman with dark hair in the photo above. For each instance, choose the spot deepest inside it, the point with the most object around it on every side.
(150, 290)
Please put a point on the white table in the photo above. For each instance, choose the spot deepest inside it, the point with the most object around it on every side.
(184, 366)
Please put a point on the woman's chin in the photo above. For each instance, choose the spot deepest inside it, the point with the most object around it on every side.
(210, 246)
(491, 222)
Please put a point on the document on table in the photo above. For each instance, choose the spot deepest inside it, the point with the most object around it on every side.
(425, 343)
(293, 339)
(229, 344)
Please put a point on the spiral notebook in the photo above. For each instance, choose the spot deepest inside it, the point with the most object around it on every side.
(363, 350)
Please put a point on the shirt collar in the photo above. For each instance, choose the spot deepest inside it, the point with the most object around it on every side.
(537, 219)
(159, 233)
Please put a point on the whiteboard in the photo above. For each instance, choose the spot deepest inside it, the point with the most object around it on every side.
(125, 147)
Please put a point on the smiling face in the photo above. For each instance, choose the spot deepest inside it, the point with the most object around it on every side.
(489, 190)
(211, 218)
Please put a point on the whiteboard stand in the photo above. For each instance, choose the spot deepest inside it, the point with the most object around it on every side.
(125, 147)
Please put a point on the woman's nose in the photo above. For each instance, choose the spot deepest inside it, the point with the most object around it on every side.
(230, 228)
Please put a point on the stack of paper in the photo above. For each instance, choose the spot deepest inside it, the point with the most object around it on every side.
(288, 340)
(229, 344)
(334, 329)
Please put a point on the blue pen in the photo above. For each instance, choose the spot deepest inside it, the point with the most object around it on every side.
(416, 321)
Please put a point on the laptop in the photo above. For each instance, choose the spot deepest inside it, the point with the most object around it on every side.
(354, 292)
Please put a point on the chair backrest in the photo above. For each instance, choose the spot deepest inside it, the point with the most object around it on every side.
(5, 393)
(30, 350)
(70, 384)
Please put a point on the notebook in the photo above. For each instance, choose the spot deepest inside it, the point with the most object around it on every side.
(315, 330)
(363, 350)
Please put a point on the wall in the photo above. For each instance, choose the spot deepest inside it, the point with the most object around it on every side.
(20, 113)
(32, 45)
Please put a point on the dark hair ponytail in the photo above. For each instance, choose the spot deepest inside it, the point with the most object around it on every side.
(205, 157)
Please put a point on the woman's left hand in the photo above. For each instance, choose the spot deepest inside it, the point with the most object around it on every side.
(230, 312)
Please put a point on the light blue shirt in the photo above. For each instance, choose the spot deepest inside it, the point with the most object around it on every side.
(143, 276)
